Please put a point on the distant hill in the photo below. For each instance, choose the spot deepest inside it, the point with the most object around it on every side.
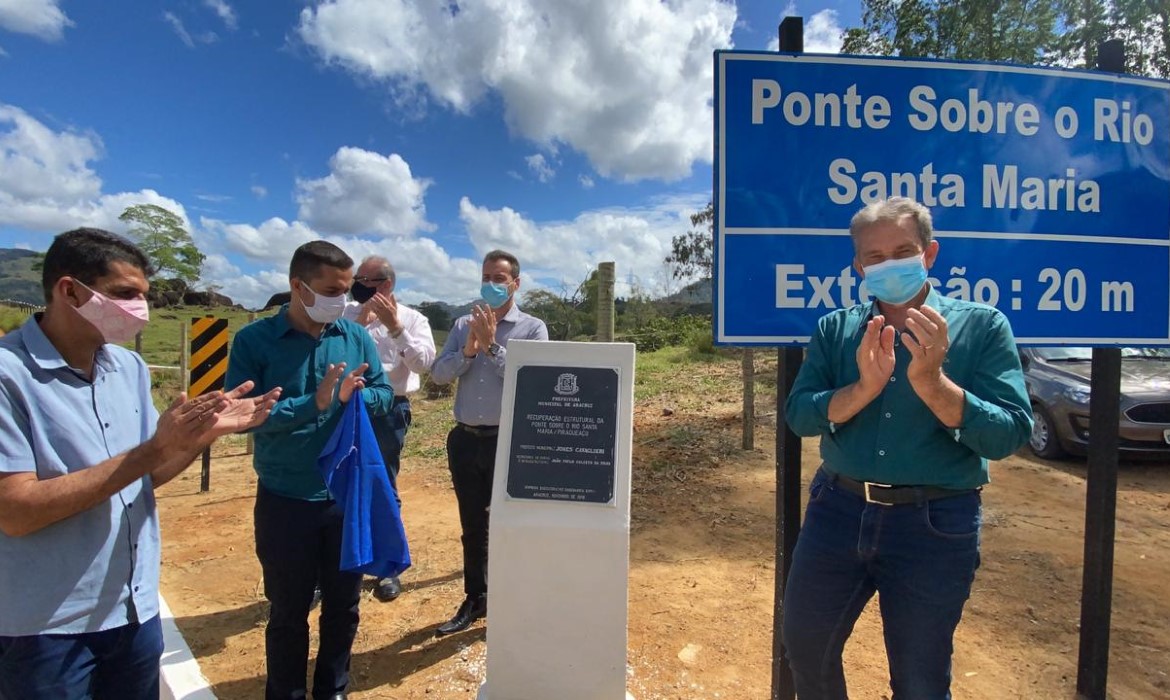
(694, 293)
(18, 280)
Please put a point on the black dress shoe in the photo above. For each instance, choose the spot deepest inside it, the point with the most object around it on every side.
(388, 589)
(471, 609)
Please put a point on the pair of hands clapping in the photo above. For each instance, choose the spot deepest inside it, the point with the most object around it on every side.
(481, 331)
(198, 422)
(336, 380)
(926, 339)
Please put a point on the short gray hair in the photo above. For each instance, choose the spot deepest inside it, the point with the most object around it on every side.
(385, 269)
(894, 210)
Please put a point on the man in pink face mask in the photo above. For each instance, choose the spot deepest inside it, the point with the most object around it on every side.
(81, 450)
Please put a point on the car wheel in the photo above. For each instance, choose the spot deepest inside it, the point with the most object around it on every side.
(1044, 442)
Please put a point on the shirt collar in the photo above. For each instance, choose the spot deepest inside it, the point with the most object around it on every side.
(283, 327)
(48, 357)
(513, 314)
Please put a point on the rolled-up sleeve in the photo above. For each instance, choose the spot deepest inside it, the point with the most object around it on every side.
(16, 452)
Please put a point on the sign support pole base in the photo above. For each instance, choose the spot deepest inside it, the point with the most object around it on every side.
(483, 693)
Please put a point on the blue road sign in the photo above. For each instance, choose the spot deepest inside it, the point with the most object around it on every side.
(1050, 191)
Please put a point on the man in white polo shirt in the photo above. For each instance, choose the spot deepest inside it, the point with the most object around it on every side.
(406, 348)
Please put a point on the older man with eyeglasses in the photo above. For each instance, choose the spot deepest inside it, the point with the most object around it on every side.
(407, 349)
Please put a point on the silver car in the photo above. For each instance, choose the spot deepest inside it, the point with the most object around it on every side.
(1058, 385)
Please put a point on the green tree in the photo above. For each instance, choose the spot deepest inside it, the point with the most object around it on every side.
(438, 316)
(564, 313)
(1020, 31)
(161, 235)
(1051, 32)
(692, 253)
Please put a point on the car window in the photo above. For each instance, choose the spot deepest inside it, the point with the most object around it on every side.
(1148, 353)
(1066, 353)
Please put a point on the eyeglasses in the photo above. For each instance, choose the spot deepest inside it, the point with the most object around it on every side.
(371, 281)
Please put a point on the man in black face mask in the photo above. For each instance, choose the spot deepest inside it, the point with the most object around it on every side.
(406, 348)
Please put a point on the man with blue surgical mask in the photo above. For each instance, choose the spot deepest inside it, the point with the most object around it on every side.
(911, 394)
(475, 353)
(322, 361)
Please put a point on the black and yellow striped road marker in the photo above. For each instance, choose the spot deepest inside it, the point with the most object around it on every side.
(209, 359)
(209, 354)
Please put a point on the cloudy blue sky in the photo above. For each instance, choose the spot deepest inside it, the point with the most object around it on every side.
(567, 131)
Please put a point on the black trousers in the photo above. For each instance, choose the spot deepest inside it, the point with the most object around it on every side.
(298, 544)
(390, 431)
(472, 460)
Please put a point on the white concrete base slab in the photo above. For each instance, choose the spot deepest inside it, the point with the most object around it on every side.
(483, 694)
(181, 678)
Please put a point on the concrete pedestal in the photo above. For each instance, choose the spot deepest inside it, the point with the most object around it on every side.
(559, 554)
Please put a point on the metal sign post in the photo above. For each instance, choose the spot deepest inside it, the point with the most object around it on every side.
(1050, 193)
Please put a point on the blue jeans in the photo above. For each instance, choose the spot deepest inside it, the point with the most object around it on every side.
(921, 560)
(118, 664)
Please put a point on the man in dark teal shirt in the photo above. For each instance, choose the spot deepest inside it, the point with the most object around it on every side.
(322, 361)
(911, 395)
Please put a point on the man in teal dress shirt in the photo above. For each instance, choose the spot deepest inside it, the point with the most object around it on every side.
(911, 395)
(321, 361)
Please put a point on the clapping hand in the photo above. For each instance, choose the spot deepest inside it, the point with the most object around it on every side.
(483, 326)
(385, 307)
(240, 413)
(928, 343)
(875, 355)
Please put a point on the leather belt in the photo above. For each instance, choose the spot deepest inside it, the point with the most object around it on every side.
(891, 495)
(480, 430)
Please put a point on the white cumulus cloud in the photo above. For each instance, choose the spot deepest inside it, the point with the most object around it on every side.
(540, 167)
(425, 270)
(224, 11)
(626, 82)
(822, 33)
(365, 192)
(636, 238)
(47, 184)
(43, 19)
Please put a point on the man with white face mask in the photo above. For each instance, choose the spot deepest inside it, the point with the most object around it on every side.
(322, 361)
(81, 450)
(895, 507)
(475, 353)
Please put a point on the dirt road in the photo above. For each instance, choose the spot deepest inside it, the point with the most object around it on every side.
(701, 577)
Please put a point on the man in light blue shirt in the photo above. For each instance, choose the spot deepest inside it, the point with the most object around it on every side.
(475, 353)
(81, 450)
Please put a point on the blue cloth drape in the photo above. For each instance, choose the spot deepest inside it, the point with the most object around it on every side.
(373, 539)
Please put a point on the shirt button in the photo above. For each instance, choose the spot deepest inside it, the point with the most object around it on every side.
(882, 453)
(130, 505)
(893, 379)
(136, 589)
(107, 425)
(888, 415)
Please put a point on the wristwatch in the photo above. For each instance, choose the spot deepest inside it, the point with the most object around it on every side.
(494, 349)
